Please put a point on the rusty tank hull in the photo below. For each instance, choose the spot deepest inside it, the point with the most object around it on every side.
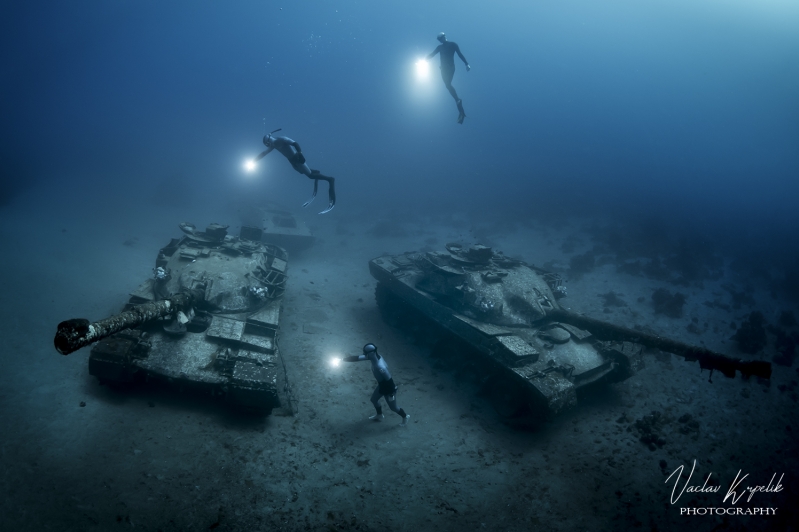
(215, 327)
(507, 313)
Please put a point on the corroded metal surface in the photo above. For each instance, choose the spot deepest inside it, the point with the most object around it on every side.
(501, 307)
(208, 319)
(508, 311)
(77, 333)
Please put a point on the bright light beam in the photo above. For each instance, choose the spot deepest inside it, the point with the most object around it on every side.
(249, 165)
(422, 70)
(335, 361)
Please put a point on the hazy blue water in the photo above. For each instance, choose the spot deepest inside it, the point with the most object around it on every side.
(688, 109)
(660, 113)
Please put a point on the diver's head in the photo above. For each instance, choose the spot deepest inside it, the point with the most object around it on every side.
(441, 37)
(370, 350)
(269, 139)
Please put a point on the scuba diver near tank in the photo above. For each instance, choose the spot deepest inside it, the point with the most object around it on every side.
(448, 49)
(385, 384)
(284, 145)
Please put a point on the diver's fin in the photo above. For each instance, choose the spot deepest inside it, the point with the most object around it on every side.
(332, 196)
(315, 188)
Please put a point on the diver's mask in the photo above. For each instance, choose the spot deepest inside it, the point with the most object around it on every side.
(269, 139)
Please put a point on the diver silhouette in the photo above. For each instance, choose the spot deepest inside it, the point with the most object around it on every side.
(448, 49)
(284, 145)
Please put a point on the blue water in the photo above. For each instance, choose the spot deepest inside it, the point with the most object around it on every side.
(622, 134)
(682, 111)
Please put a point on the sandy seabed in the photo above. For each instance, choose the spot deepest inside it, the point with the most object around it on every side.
(154, 459)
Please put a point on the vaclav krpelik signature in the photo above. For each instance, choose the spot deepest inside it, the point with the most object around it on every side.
(735, 492)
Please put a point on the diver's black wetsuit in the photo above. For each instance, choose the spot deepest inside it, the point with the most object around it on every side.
(385, 384)
(284, 145)
(448, 49)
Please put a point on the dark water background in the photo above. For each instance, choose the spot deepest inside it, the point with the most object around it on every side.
(681, 113)
(664, 130)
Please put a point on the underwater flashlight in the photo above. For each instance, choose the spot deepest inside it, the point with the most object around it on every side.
(249, 165)
(335, 361)
(422, 69)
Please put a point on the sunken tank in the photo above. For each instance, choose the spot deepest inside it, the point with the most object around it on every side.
(284, 229)
(508, 313)
(208, 320)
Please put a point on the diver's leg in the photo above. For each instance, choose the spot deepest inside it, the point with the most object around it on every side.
(305, 170)
(392, 404)
(375, 398)
(331, 189)
(447, 75)
(452, 91)
(458, 101)
(316, 175)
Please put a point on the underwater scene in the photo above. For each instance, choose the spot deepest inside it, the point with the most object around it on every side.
(377, 266)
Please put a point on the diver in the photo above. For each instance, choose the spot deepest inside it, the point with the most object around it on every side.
(385, 384)
(284, 145)
(448, 49)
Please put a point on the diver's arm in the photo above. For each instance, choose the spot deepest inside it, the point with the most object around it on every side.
(356, 358)
(465, 62)
(296, 146)
(263, 154)
(434, 52)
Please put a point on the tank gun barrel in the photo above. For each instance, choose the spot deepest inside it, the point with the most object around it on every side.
(77, 333)
(707, 359)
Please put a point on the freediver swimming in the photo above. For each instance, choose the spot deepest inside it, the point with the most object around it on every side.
(284, 145)
(448, 49)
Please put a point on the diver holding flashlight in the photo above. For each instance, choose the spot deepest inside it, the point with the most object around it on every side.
(448, 49)
(385, 384)
(284, 145)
